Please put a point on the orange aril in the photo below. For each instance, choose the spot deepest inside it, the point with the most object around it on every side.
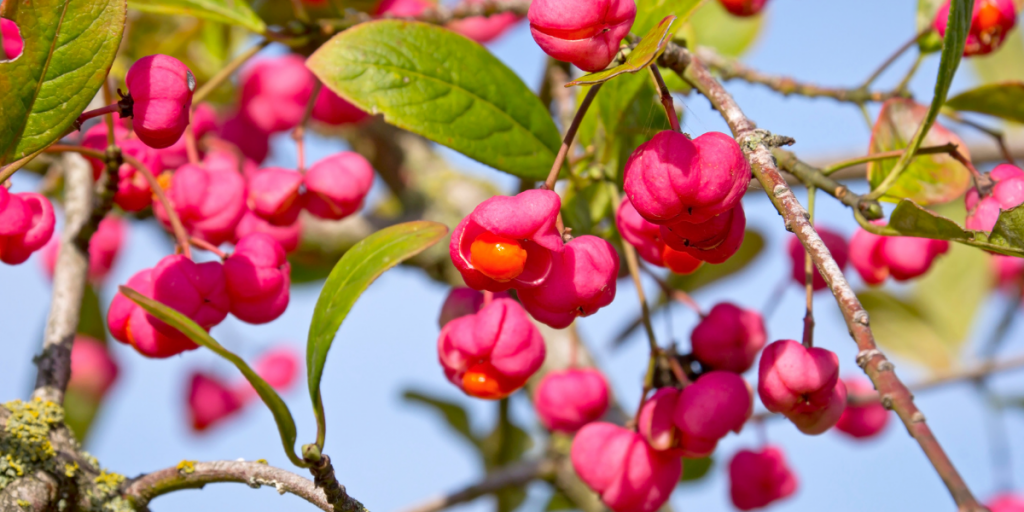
(497, 257)
(483, 381)
(679, 261)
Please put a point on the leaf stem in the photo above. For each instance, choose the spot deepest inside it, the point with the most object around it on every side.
(634, 270)
(207, 246)
(809, 271)
(222, 75)
(930, 150)
(666, 97)
(570, 134)
(299, 133)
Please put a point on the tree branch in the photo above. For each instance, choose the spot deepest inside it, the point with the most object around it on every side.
(871, 360)
(812, 176)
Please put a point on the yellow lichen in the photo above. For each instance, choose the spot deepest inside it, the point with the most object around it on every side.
(70, 468)
(262, 461)
(187, 467)
(25, 442)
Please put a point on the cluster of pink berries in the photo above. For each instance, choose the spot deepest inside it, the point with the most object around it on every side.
(902, 257)
(991, 21)
(26, 225)
(211, 401)
(482, 29)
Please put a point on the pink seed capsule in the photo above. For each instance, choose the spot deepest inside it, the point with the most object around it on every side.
(275, 92)
(743, 8)
(161, 89)
(586, 33)
(129, 323)
(569, 399)
(863, 421)
(333, 110)
(210, 401)
(1008, 192)
(15, 249)
(258, 278)
(11, 34)
(93, 370)
(483, 29)
(757, 479)
(274, 195)
(802, 384)
(991, 21)
(582, 280)
(337, 185)
(729, 338)
(836, 245)
(196, 290)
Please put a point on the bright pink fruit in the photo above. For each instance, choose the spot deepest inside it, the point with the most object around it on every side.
(569, 399)
(275, 92)
(15, 249)
(129, 323)
(15, 215)
(713, 241)
(161, 89)
(104, 246)
(876, 257)
(671, 178)
(258, 279)
(1008, 192)
(287, 236)
(402, 8)
(640, 233)
(866, 420)
(990, 22)
(483, 29)
(655, 422)
(729, 338)
(1009, 271)
(278, 366)
(461, 301)
(250, 140)
(222, 159)
(337, 185)
(210, 401)
(209, 202)
(581, 281)
(133, 192)
(743, 7)
(527, 219)
(13, 43)
(717, 403)
(196, 290)
(618, 464)
(757, 479)
(333, 110)
(274, 195)
(802, 384)
(204, 120)
(1006, 503)
(492, 353)
(836, 245)
(93, 371)
(586, 33)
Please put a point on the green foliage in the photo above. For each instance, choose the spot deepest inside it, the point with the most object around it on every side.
(443, 86)
(1004, 100)
(753, 244)
(651, 13)
(909, 219)
(282, 416)
(696, 469)
(712, 26)
(359, 267)
(224, 11)
(587, 204)
(69, 48)
(455, 415)
(932, 41)
(646, 52)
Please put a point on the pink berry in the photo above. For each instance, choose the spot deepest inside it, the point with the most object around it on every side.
(802, 384)
(222, 159)
(1008, 192)
(337, 185)
(253, 142)
(527, 219)
(713, 241)
(876, 257)
(278, 367)
(204, 120)
(656, 422)
(707, 410)
(483, 29)
(274, 195)
(743, 8)
(161, 89)
(640, 233)
(618, 464)
(729, 338)
(492, 353)
(196, 290)
(15, 216)
(210, 401)
(104, 247)
(275, 92)
(210, 202)
(586, 33)
(569, 399)
(258, 279)
(582, 280)
(836, 245)
(757, 479)
(862, 421)
(287, 236)
(333, 110)
(866, 256)
(93, 371)
(402, 8)
(133, 192)
(129, 323)
(13, 44)
(1006, 503)
(15, 249)
(461, 301)
(991, 20)
(1009, 271)
(671, 178)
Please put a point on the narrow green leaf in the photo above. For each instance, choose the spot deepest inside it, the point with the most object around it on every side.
(359, 267)
(283, 417)
(1003, 100)
(69, 48)
(441, 85)
(650, 12)
(454, 414)
(926, 10)
(647, 51)
(224, 11)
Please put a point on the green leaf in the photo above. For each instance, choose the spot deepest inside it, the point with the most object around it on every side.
(359, 267)
(454, 414)
(696, 469)
(753, 244)
(712, 26)
(650, 12)
(69, 48)
(928, 179)
(436, 83)
(91, 320)
(1009, 228)
(235, 12)
(585, 206)
(926, 10)
(909, 219)
(282, 416)
(1004, 100)
(559, 501)
(647, 51)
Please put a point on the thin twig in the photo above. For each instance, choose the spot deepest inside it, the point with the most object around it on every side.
(570, 134)
(634, 270)
(813, 177)
(996, 135)
(809, 277)
(299, 133)
(666, 98)
(207, 246)
(226, 72)
(886, 155)
(673, 293)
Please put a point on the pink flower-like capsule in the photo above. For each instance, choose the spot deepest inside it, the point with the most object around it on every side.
(275, 92)
(461, 301)
(483, 29)
(743, 8)
(133, 192)
(210, 202)
(337, 185)
(902, 257)
(210, 401)
(508, 242)
(402, 8)
(1008, 192)
(250, 140)
(93, 371)
(671, 178)
(757, 479)
(618, 464)
(862, 420)
(334, 110)
(492, 353)
(161, 89)
(13, 44)
(278, 366)
(196, 290)
(104, 246)
(836, 245)
(15, 214)
(1006, 503)
(15, 249)
(287, 236)
(258, 279)
(645, 236)
(204, 120)
(274, 195)
(129, 323)
(569, 399)
(581, 281)
(991, 21)
(729, 338)
(802, 384)
(586, 33)
(713, 241)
